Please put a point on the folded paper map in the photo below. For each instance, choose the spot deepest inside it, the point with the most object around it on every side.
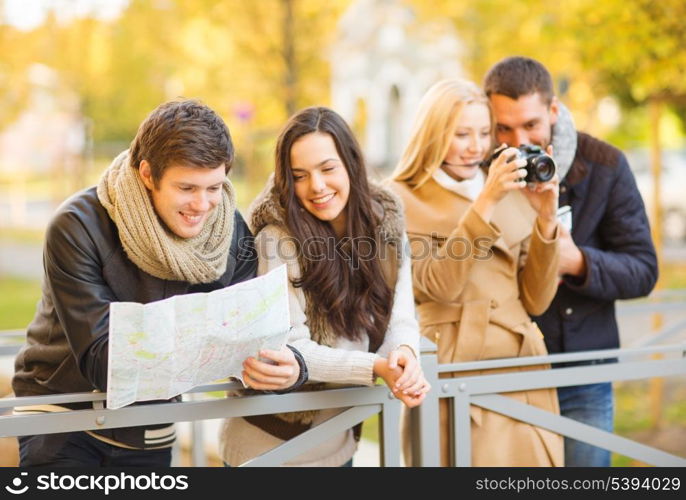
(162, 349)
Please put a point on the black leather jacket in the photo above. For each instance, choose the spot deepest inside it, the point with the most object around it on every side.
(86, 268)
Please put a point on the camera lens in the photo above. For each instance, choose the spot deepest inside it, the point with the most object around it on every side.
(543, 168)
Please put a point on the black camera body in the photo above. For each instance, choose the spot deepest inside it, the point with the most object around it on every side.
(540, 167)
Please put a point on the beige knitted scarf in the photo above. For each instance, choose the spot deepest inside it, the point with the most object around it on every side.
(148, 242)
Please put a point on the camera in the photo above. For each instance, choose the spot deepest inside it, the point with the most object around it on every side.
(540, 167)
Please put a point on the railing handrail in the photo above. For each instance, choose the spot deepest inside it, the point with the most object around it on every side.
(89, 397)
(552, 359)
(620, 354)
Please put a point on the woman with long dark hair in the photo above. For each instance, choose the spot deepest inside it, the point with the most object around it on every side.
(351, 302)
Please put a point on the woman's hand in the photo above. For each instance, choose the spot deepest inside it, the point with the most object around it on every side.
(412, 379)
(543, 197)
(393, 371)
(280, 371)
(505, 174)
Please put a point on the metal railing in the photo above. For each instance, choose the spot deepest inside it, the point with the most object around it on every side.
(486, 391)
(359, 403)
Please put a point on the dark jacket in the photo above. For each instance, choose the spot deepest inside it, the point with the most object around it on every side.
(610, 227)
(86, 268)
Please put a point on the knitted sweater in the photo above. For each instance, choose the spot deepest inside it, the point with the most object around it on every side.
(346, 362)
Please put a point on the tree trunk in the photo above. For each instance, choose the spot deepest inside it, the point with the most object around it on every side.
(291, 76)
(655, 110)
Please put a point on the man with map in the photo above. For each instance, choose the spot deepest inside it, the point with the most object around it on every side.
(161, 222)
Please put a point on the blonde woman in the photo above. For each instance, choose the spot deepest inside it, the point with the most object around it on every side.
(485, 255)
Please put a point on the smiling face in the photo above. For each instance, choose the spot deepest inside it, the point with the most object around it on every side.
(321, 181)
(185, 196)
(470, 143)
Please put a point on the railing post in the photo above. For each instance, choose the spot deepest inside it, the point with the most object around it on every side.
(462, 427)
(198, 457)
(425, 419)
(389, 437)
(176, 454)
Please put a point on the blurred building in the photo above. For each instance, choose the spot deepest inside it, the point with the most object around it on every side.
(383, 60)
(48, 138)
(672, 180)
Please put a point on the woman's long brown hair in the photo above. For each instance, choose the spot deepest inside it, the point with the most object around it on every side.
(351, 292)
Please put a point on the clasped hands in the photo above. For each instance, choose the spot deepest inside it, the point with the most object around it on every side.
(403, 375)
(401, 371)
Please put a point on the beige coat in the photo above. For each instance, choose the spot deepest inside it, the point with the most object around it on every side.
(474, 284)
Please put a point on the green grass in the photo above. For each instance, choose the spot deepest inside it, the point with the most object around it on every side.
(18, 299)
(633, 418)
(370, 429)
(673, 275)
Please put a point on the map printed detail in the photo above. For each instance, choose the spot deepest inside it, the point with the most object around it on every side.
(162, 349)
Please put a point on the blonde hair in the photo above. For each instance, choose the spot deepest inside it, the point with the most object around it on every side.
(434, 127)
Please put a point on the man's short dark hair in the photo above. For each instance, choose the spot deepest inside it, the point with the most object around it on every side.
(519, 76)
(183, 132)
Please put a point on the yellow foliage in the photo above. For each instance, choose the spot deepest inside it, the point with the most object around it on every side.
(229, 53)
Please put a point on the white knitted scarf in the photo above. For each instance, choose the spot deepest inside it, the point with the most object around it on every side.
(468, 188)
(564, 141)
(150, 244)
